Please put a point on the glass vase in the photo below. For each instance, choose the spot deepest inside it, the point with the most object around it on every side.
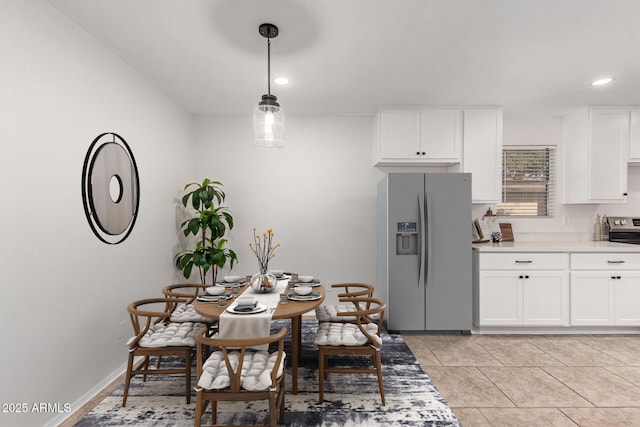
(263, 282)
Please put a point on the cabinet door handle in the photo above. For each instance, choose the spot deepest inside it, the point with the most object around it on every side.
(615, 262)
(526, 277)
(417, 153)
(618, 277)
(423, 153)
(524, 262)
(613, 277)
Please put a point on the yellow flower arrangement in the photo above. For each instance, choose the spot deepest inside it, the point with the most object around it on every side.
(264, 248)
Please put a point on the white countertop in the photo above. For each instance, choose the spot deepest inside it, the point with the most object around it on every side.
(552, 246)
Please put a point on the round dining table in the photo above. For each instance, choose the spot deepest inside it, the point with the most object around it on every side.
(293, 310)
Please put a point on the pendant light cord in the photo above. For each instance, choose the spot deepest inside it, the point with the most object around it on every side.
(268, 65)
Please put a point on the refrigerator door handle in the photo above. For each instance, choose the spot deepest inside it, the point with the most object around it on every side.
(428, 238)
(422, 239)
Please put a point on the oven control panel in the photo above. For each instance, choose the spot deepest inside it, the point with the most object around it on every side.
(624, 223)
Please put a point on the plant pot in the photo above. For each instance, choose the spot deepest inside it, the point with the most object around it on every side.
(263, 282)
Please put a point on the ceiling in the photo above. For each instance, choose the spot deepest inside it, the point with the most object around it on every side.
(352, 56)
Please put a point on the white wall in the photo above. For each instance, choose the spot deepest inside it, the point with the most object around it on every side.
(64, 293)
(318, 193)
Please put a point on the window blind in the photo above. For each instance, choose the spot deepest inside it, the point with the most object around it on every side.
(528, 181)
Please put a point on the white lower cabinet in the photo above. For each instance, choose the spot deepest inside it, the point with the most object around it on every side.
(605, 298)
(545, 298)
(532, 298)
(581, 289)
(627, 299)
(605, 289)
(509, 296)
(500, 294)
(591, 298)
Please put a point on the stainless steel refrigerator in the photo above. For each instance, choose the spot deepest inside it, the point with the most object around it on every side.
(424, 249)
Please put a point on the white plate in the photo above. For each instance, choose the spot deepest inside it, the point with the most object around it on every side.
(258, 309)
(311, 297)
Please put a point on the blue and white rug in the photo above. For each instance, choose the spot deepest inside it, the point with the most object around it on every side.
(350, 400)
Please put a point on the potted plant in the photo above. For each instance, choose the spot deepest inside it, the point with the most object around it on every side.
(209, 225)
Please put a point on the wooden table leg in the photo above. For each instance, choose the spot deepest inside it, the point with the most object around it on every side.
(296, 349)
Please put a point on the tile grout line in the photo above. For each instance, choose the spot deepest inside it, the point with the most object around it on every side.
(568, 386)
(483, 415)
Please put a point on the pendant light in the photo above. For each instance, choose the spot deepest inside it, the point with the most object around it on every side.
(268, 117)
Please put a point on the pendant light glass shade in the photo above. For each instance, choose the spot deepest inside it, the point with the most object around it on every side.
(268, 117)
(268, 124)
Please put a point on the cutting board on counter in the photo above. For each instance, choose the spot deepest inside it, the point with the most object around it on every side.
(506, 231)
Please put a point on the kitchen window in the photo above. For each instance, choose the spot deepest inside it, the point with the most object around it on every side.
(528, 181)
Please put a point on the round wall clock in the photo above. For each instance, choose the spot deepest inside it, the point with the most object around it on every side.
(110, 188)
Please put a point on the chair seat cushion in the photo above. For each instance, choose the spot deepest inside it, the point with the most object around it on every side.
(347, 334)
(171, 334)
(255, 375)
(187, 313)
(328, 313)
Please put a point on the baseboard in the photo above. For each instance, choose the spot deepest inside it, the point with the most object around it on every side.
(86, 398)
(561, 330)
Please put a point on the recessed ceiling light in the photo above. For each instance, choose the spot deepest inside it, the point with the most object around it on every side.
(601, 82)
(281, 80)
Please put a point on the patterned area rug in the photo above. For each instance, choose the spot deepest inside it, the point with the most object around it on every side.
(350, 400)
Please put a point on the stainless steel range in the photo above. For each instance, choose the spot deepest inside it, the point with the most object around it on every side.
(624, 229)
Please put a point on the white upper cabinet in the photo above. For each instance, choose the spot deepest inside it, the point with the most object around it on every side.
(634, 136)
(470, 138)
(609, 142)
(441, 135)
(418, 136)
(398, 135)
(482, 153)
(596, 155)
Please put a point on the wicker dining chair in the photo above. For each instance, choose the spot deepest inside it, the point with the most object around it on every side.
(360, 338)
(329, 312)
(234, 371)
(155, 335)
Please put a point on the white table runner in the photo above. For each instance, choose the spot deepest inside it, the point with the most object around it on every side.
(237, 326)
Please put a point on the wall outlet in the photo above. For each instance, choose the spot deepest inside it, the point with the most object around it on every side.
(121, 329)
(328, 288)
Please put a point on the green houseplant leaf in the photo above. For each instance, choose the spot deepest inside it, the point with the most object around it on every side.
(210, 223)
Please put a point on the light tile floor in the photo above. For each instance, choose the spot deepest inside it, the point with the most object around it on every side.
(535, 380)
